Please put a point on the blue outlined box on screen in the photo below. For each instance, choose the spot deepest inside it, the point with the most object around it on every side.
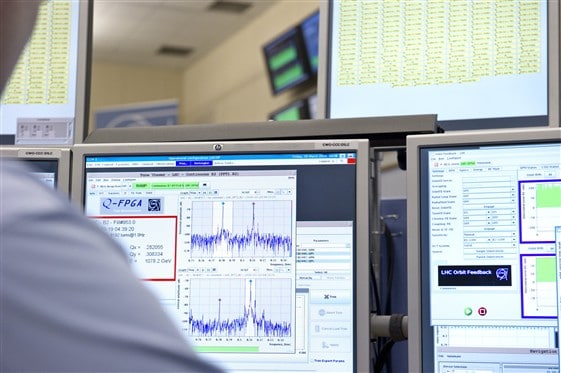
(147, 114)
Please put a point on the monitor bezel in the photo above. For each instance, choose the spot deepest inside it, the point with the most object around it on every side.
(62, 156)
(554, 74)
(381, 131)
(417, 303)
(363, 196)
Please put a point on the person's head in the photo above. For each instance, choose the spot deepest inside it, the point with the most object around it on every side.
(17, 18)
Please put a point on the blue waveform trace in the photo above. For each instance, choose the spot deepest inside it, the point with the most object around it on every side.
(247, 244)
(251, 323)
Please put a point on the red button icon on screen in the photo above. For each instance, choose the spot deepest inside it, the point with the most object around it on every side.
(482, 311)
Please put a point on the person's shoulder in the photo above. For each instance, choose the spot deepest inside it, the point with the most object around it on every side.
(14, 171)
(9, 166)
(21, 191)
(17, 176)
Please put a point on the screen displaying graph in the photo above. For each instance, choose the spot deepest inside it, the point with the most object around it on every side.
(539, 286)
(484, 273)
(241, 307)
(238, 268)
(251, 253)
(540, 209)
(242, 229)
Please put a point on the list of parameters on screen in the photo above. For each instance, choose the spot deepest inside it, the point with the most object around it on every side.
(417, 43)
(41, 75)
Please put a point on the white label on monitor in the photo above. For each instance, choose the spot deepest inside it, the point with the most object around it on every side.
(44, 131)
(39, 153)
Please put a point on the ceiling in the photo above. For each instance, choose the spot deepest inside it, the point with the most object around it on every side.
(133, 31)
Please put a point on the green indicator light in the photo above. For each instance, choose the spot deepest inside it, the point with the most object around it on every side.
(141, 186)
(166, 185)
(467, 163)
(289, 76)
(173, 185)
(280, 59)
(226, 348)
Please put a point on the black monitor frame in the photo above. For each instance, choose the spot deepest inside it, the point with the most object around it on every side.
(291, 69)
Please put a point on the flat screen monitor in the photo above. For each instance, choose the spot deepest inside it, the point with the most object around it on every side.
(50, 165)
(483, 272)
(296, 110)
(258, 250)
(475, 64)
(46, 99)
(286, 60)
(310, 32)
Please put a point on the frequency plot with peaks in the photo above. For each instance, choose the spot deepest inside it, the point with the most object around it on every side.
(242, 229)
(240, 308)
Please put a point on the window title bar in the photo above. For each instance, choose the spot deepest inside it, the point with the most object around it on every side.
(218, 160)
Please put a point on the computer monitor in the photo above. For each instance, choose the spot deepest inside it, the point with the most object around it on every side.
(476, 64)
(287, 61)
(482, 210)
(45, 102)
(50, 165)
(259, 250)
(310, 32)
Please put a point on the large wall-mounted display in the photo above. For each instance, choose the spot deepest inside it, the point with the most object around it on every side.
(292, 57)
(45, 101)
(286, 60)
(475, 64)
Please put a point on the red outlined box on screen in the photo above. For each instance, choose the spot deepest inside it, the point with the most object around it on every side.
(150, 243)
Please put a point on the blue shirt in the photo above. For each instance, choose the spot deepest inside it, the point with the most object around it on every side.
(68, 299)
